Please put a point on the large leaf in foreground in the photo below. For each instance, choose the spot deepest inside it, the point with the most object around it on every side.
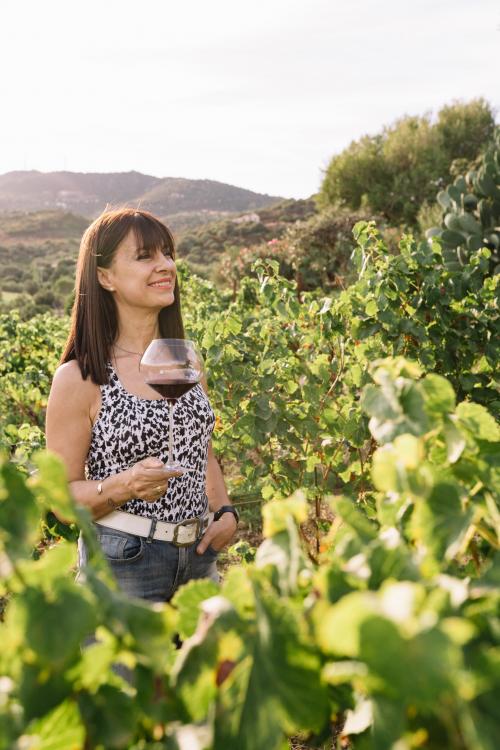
(276, 689)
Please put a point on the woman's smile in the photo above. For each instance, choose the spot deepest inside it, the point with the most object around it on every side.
(163, 284)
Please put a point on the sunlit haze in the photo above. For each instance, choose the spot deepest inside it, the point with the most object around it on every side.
(259, 95)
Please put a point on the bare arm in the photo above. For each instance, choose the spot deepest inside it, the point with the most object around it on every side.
(222, 531)
(68, 428)
(215, 485)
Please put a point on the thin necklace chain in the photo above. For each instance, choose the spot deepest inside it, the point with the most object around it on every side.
(139, 354)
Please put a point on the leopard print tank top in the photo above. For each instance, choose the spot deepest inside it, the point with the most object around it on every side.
(129, 428)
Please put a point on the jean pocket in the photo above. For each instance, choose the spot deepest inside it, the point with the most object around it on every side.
(121, 548)
(212, 551)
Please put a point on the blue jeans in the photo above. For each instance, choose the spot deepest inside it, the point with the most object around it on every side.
(151, 570)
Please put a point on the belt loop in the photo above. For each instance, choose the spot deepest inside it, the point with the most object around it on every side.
(154, 521)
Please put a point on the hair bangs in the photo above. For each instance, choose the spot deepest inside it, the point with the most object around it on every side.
(151, 234)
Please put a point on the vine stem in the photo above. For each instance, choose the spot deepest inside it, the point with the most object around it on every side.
(486, 534)
(317, 503)
(312, 557)
(337, 376)
(362, 489)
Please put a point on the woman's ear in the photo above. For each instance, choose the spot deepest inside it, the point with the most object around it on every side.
(103, 279)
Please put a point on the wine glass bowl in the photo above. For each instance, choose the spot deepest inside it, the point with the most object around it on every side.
(172, 367)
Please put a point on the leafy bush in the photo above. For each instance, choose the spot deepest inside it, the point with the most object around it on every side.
(392, 629)
(29, 352)
(315, 253)
(365, 421)
(395, 172)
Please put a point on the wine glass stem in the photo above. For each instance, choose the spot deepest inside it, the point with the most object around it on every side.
(171, 433)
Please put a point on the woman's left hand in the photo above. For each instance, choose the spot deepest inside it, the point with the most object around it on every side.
(218, 534)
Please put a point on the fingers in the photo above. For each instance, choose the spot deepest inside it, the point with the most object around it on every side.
(151, 487)
(151, 478)
(154, 493)
(155, 467)
(217, 536)
(151, 462)
(159, 475)
(204, 542)
(157, 483)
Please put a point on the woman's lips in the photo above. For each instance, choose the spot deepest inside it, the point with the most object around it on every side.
(162, 284)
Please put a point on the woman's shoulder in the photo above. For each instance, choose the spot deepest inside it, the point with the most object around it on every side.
(68, 379)
(69, 372)
(70, 391)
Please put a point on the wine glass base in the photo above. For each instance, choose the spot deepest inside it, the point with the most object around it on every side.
(175, 466)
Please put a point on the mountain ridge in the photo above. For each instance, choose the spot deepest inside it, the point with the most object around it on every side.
(89, 193)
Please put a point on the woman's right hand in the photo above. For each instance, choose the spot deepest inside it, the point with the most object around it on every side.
(148, 480)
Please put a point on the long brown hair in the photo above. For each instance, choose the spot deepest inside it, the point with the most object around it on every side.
(94, 319)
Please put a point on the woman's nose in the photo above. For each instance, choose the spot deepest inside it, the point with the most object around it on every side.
(165, 262)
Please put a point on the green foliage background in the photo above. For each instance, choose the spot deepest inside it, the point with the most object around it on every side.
(355, 380)
(385, 616)
(394, 172)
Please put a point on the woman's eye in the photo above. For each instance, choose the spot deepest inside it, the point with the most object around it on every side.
(166, 251)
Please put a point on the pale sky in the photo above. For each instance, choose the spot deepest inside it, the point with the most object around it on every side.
(260, 95)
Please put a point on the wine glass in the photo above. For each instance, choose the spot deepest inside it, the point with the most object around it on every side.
(172, 367)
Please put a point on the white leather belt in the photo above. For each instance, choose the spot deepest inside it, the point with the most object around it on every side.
(181, 534)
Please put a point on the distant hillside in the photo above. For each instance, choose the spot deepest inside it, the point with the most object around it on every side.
(40, 225)
(89, 193)
(174, 194)
(38, 250)
(38, 254)
(202, 246)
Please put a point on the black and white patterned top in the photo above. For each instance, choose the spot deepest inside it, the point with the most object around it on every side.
(130, 428)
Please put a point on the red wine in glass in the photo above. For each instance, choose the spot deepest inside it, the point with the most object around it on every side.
(172, 367)
(171, 389)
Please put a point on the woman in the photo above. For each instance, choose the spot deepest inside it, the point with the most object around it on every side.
(111, 428)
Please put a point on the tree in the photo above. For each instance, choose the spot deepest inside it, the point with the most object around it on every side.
(394, 172)
(46, 297)
(315, 253)
(465, 128)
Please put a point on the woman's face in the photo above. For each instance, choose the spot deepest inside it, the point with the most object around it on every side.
(138, 277)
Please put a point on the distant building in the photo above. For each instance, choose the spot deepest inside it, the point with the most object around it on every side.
(246, 218)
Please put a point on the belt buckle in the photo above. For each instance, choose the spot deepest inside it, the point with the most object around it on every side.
(189, 522)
